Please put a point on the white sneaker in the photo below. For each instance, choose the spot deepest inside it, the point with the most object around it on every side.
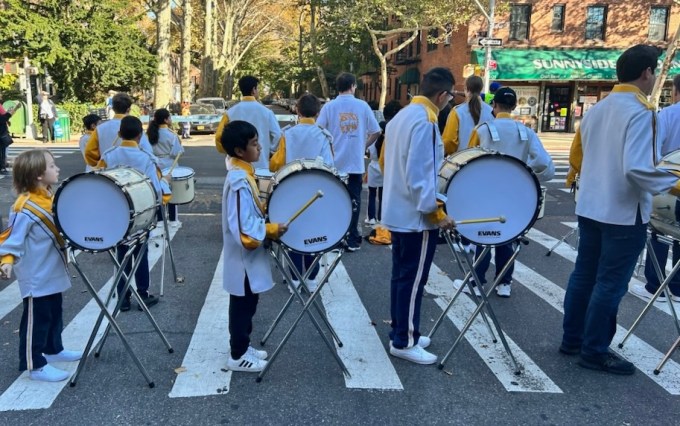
(174, 223)
(414, 354)
(369, 222)
(640, 291)
(503, 290)
(296, 284)
(248, 363)
(466, 289)
(49, 374)
(470, 248)
(312, 285)
(64, 356)
(257, 353)
(423, 342)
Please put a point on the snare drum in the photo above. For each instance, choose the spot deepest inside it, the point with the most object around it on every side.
(664, 218)
(483, 184)
(99, 210)
(264, 178)
(325, 224)
(181, 184)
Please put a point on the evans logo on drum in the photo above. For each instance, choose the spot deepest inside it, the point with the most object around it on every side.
(488, 233)
(316, 240)
(94, 239)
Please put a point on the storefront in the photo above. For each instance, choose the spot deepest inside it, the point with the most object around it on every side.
(564, 83)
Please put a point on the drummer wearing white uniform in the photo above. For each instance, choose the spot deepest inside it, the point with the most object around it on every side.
(509, 137)
(167, 147)
(464, 117)
(668, 123)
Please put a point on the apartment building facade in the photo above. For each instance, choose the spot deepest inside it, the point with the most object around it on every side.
(560, 56)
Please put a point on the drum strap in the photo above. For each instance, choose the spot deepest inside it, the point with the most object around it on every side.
(495, 137)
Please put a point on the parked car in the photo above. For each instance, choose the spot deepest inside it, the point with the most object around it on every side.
(204, 118)
(219, 103)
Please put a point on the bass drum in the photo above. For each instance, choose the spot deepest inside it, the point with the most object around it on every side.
(99, 210)
(322, 226)
(665, 215)
(481, 184)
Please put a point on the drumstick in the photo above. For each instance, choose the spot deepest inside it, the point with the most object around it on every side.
(500, 219)
(318, 194)
(174, 164)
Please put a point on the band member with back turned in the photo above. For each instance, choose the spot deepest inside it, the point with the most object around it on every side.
(507, 136)
(413, 153)
(247, 271)
(615, 153)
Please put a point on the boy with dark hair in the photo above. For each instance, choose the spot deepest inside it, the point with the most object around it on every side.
(615, 153)
(129, 154)
(413, 153)
(246, 262)
(250, 110)
(306, 140)
(90, 122)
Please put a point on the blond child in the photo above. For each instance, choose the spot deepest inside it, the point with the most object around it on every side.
(33, 249)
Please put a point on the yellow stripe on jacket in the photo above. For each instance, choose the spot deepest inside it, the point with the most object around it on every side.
(450, 134)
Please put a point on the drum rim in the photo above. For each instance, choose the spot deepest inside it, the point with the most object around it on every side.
(537, 184)
(69, 241)
(275, 183)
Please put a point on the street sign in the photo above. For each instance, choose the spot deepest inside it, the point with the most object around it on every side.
(491, 41)
(493, 65)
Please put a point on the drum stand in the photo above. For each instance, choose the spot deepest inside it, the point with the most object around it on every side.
(166, 242)
(111, 316)
(662, 288)
(564, 240)
(280, 253)
(482, 301)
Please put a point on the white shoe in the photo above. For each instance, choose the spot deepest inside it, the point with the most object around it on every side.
(369, 222)
(312, 285)
(296, 284)
(423, 342)
(470, 248)
(640, 291)
(248, 363)
(174, 223)
(414, 354)
(64, 356)
(466, 289)
(49, 374)
(257, 353)
(503, 290)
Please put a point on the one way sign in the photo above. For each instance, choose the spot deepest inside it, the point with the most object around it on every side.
(491, 41)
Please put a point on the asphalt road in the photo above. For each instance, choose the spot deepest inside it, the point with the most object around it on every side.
(305, 384)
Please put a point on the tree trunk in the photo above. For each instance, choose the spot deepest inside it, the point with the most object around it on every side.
(665, 66)
(207, 61)
(163, 86)
(186, 52)
(382, 57)
(312, 39)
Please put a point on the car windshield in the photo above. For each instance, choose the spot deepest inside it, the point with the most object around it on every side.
(217, 103)
(202, 109)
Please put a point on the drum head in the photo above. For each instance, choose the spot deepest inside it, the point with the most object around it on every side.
(325, 223)
(179, 172)
(489, 186)
(91, 212)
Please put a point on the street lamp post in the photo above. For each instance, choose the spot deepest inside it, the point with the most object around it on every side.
(30, 128)
(489, 34)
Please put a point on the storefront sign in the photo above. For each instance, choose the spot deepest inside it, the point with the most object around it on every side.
(552, 64)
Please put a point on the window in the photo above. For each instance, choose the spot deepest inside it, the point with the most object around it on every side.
(432, 39)
(658, 23)
(558, 19)
(519, 21)
(596, 19)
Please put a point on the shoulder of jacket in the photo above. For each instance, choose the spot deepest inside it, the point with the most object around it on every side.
(237, 179)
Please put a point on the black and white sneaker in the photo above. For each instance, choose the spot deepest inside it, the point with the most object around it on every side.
(248, 363)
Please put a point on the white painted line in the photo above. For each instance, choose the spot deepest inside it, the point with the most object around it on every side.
(568, 253)
(363, 352)
(206, 358)
(532, 379)
(561, 173)
(557, 181)
(644, 356)
(26, 394)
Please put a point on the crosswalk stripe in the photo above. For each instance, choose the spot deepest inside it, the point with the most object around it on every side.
(644, 356)
(26, 394)
(204, 365)
(363, 352)
(532, 379)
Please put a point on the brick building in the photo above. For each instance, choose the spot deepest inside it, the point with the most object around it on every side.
(559, 55)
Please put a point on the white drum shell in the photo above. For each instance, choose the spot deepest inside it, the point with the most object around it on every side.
(181, 185)
(326, 222)
(481, 184)
(99, 210)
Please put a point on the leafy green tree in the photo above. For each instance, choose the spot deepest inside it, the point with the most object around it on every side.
(89, 46)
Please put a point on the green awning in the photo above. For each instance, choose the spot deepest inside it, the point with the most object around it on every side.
(410, 76)
(554, 64)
